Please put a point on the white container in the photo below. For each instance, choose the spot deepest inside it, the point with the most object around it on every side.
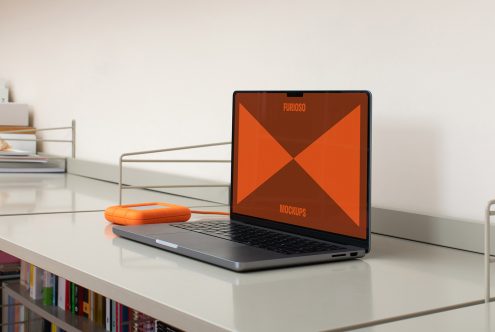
(25, 146)
(13, 114)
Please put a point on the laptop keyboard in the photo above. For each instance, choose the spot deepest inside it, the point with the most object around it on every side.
(258, 237)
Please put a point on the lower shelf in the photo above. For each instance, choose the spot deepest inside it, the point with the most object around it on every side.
(63, 319)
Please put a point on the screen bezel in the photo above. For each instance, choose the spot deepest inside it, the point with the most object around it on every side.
(328, 236)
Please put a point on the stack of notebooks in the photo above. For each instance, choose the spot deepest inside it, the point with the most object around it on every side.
(52, 290)
(19, 161)
(19, 156)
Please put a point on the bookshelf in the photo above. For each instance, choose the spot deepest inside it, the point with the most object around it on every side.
(398, 278)
(63, 319)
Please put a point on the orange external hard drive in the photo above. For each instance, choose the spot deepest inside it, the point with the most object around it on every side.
(147, 213)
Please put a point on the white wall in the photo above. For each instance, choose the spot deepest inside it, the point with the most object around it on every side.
(150, 74)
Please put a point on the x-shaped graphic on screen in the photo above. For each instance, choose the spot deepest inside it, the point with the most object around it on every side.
(332, 160)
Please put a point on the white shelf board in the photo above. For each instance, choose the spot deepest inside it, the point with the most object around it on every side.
(398, 278)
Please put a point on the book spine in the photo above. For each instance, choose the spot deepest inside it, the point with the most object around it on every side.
(72, 297)
(99, 310)
(22, 278)
(91, 305)
(55, 290)
(10, 314)
(77, 295)
(22, 317)
(35, 283)
(28, 271)
(104, 311)
(84, 302)
(47, 289)
(124, 326)
(67, 296)
(114, 317)
(16, 317)
(61, 293)
(108, 315)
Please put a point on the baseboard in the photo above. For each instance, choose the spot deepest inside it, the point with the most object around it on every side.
(459, 234)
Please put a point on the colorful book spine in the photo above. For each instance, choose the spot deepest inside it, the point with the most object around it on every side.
(91, 305)
(108, 314)
(76, 300)
(55, 290)
(61, 293)
(73, 297)
(84, 302)
(114, 317)
(124, 318)
(22, 317)
(35, 282)
(17, 314)
(24, 279)
(10, 314)
(67, 296)
(47, 288)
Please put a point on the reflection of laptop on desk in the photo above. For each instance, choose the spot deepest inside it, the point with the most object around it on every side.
(300, 185)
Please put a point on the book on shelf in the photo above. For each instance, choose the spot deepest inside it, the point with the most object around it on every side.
(35, 282)
(105, 313)
(22, 159)
(55, 166)
(61, 293)
(18, 155)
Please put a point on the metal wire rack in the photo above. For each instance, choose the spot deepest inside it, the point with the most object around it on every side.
(124, 159)
(488, 259)
(72, 141)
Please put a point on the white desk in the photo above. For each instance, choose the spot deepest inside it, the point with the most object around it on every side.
(474, 318)
(56, 193)
(398, 278)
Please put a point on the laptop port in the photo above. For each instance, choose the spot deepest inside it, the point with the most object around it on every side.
(338, 255)
(353, 254)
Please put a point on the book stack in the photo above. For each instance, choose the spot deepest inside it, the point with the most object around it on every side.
(52, 290)
(18, 150)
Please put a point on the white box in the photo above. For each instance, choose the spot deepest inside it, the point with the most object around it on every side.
(13, 114)
(26, 146)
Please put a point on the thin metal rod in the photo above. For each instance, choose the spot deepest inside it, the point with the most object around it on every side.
(488, 250)
(178, 186)
(120, 180)
(121, 161)
(174, 161)
(73, 123)
(174, 149)
(33, 130)
(36, 140)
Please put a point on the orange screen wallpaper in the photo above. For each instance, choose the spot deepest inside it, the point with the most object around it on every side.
(302, 160)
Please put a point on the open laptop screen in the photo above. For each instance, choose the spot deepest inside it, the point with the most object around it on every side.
(302, 158)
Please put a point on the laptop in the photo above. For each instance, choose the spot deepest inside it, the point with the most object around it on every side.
(300, 190)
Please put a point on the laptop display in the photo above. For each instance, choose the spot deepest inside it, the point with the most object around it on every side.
(301, 159)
